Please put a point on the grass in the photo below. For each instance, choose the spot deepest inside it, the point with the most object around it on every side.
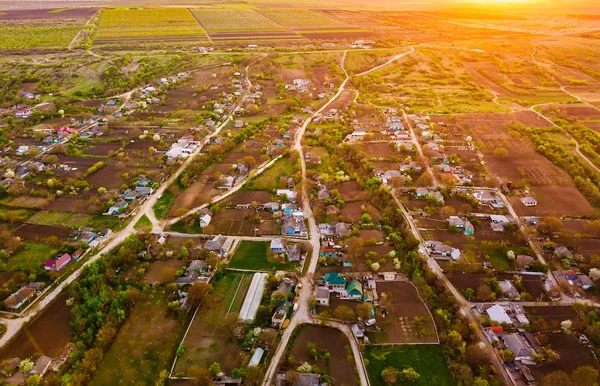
(499, 259)
(187, 225)
(44, 36)
(427, 360)
(74, 220)
(163, 204)
(269, 179)
(234, 20)
(144, 346)
(143, 224)
(31, 258)
(253, 255)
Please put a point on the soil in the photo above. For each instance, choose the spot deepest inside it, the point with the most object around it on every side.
(47, 335)
(406, 305)
(349, 191)
(155, 271)
(289, 74)
(338, 35)
(352, 211)
(32, 14)
(492, 70)
(101, 148)
(572, 355)
(580, 112)
(35, 232)
(332, 341)
(247, 197)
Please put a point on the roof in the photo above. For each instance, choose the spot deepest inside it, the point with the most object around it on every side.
(517, 345)
(253, 298)
(524, 260)
(256, 357)
(498, 314)
(354, 286)
(322, 293)
(277, 243)
(334, 278)
(528, 200)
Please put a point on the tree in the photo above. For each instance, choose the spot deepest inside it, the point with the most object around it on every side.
(510, 254)
(363, 311)
(484, 292)
(469, 293)
(506, 355)
(557, 378)
(584, 375)
(214, 369)
(201, 376)
(475, 356)
(34, 380)
(549, 225)
(197, 293)
(344, 313)
(389, 375)
(410, 374)
(249, 161)
(593, 228)
(480, 382)
(253, 376)
(26, 365)
(565, 325)
(594, 274)
(500, 153)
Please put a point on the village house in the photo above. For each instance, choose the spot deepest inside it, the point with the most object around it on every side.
(519, 346)
(19, 298)
(192, 273)
(277, 245)
(294, 225)
(529, 201)
(354, 290)
(498, 314)
(58, 263)
(422, 193)
(23, 114)
(334, 282)
(322, 296)
(457, 223)
(290, 194)
(218, 244)
(441, 251)
(205, 220)
(293, 252)
(509, 290)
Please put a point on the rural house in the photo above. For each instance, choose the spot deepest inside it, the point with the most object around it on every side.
(293, 252)
(322, 296)
(58, 263)
(205, 220)
(529, 201)
(19, 298)
(354, 290)
(277, 245)
(334, 281)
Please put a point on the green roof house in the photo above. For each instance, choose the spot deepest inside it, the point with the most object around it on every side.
(335, 282)
(354, 289)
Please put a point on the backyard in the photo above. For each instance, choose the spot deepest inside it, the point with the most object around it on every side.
(254, 256)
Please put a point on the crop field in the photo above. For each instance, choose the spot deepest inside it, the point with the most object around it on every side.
(234, 20)
(45, 36)
(138, 24)
(301, 19)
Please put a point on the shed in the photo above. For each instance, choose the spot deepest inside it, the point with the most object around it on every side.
(256, 357)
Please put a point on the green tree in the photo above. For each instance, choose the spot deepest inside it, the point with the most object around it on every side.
(389, 375)
(557, 378)
(410, 374)
(585, 375)
(469, 293)
(214, 369)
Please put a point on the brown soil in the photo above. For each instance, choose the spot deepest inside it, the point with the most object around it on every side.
(406, 305)
(47, 335)
(155, 271)
(349, 191)
(32, 14)
(572, 355)
(36, 232)
(333, 341)
(352, 211)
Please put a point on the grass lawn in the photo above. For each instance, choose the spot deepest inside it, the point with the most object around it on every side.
(253, 255)
(187, 225)
(75, 220)
(427, 360)
(143, 347)
(501, 262)
(163, 204)
(31, 258)
(143, 224)
(269, 179)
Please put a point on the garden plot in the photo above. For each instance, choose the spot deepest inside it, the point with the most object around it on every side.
(209, 337)
(408, 320)
(239, 222)
(235, 20)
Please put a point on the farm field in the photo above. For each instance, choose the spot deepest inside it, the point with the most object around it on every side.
(74, 220)
(235, 20)
(302, 19)
(340, 366)
(253, 256)
(144, 345)
(427, 360)
(39, 35)
(172, 24)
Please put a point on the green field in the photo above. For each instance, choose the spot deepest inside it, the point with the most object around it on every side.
(427, 360)
(163, 204)
(46, 36)
(118, 24)
(234, 20)
(301, 18)
(30, 258)
(74, 220)
(253, 255)
(143, 224)
(144, 346)
(269, 179)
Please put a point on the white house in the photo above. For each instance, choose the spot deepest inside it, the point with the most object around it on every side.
(498, 314)
(529, 201)
(291, 195)
(205, 220)
(322, 296)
